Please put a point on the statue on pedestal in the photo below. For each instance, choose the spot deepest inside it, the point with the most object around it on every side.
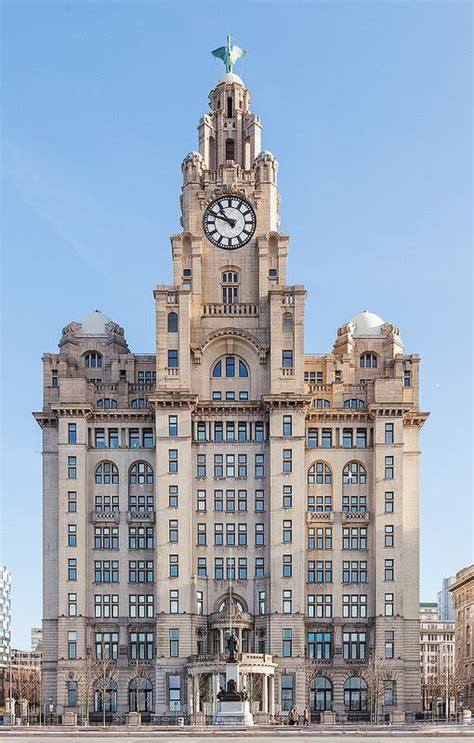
(232, 647)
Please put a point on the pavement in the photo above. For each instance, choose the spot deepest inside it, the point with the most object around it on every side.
(449, 734)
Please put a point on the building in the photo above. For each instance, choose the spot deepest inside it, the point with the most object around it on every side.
(229, 481)
(463, 596)
(5, 614)
(36, 637)
(437, 658)
(445, 601)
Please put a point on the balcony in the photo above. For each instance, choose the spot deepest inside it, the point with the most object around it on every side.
(246, 310)
(146, 517)
(361, 517)
(327, 516)
(109, 517)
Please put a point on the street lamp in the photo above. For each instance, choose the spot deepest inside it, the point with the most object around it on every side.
(51, 710)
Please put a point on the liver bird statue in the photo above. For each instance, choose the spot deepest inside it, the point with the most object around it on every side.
(229, 54)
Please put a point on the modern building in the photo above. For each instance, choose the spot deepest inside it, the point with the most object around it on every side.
(437, 658)
(463, 595)
(227, 481)
(445, 601)
(5, 614)
(36, 637)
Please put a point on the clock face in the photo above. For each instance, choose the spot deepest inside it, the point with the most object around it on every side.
(229, 222)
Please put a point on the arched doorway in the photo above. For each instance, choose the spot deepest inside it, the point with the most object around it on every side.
(355, 694)
(321, 694)
(140, 695)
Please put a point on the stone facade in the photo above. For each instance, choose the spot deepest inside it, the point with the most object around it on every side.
(463, 595)
(437, 660)
(229, 480)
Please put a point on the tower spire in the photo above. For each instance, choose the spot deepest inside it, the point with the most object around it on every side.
(229, 54)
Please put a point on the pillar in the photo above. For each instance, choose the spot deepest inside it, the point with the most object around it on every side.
(265, 694)
(271, 683)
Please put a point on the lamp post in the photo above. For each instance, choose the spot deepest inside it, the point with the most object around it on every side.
(51, 710)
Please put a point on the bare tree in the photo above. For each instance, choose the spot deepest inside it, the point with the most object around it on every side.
(86, 675)
(456, 680)
(31, 688)
(141, 674)
(431, 691)
(375, 674)
(105, 674)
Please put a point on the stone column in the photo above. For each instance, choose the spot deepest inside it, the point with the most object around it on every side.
(196, 694)
(271, 681)
(265, 694)
(221, 643)
(190, 695)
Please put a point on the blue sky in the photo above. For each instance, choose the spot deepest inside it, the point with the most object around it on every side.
(366, 106)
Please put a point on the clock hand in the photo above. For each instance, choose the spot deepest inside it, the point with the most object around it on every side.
(227, 219)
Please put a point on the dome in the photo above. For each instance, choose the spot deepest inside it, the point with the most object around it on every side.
(367, 323)
(94, 323)
(230, 77)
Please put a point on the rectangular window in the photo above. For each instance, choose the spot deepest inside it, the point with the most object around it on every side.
(174, 602)
(287, 602)
(242, 500)
(230, 395)
(389, 694)
(71, 433)
(230, 535)
(259, 535)
(218, 500)
(114, 441)
(72, 501)
(230, 465)
(326, 438)
(389, 570)
(242, 535)
(389, 644)
(389, 433)
(173, 358)
(354, 538)
(287, 533)
(242, 431)
(259, 567)
(174, 691)
(72, 535)
(287, 496)
(243, 395)
(106, 606)
(354, 606)
(312, 438)
(172, 461)
(354, 571)
(287, 359)
(230, 568)
(353, 645)
(407, 378)
(201, 465)
(242, 568)
(389, 535)
(72, 645)
(230, 431)
(199, 602)
(287, 464)
(338, 375)
(134, 438)
(201, 433)
(287, 566)
(141, 571)
(99, 441)
(201, 535)
(72, 468)
(172, 425)
(319, 606)
(361, 438)
(202, 567)
(148, 442)
(107, 537)
(261, 602)
(389, 604)
(141, 645)
(219, 568)
(286, 643)
(72, 568)
(389, 501)
(173, 566)
(287, 425)
(259, 465)
(72, 693)
(287, 693)
(216, 395)
(389, 468)
(201, 500)
(218, 465)
(173, 496)
(106, 645)
(347, 438)
(141, 606)
(242, 465)
(72, 604)
(319, 645)
(218, 432)
(259, 432)
(259, 500)
(54, 378)
(218, 534)
(174, 643)
(173, 534)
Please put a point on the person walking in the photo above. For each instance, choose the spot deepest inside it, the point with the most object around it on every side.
(306, 716)
(297, 716)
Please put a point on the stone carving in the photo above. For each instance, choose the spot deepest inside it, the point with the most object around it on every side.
(230, 694)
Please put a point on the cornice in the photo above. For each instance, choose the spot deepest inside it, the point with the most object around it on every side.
(346, 414)
(173, 400)
(287, 400)
(72, 409)
(210, 407)
(415, 418)
(45, 419)
(391, 409)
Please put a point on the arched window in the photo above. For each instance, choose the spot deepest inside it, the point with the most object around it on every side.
(355, 694)
(106, 474)
(141, 473)
(321, 694)
(354, 474)
(140, 695)
(110, 698)
(235, 602)
(320, 473)
(320, 403)
(368, 361)
(172, 322)
(93, 359)
(231, 368)
(230, 287)
(354, 402)
(107, 402)
(230, 149)
(139, 402)
(287, 322)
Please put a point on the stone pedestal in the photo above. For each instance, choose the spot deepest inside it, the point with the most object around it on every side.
(133, 718)
(231, 709)
(397, 718)
(69, 718)
(328, 717)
